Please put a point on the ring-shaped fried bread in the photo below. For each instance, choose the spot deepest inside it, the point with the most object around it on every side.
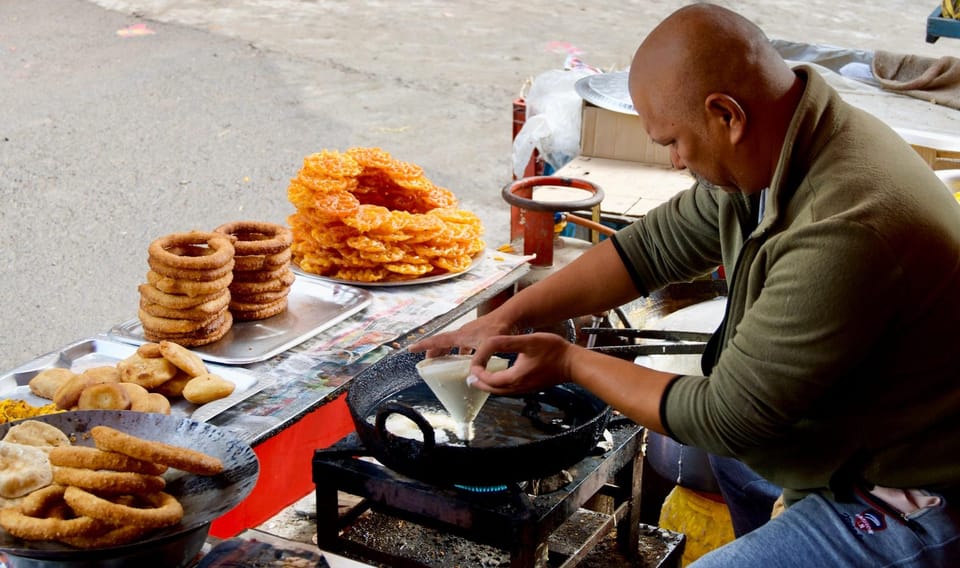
(170, 250)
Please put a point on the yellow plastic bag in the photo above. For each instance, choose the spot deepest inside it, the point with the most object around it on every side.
(951, 9)
(705, 523)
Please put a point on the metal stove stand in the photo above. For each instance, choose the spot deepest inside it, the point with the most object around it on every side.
(510, 519)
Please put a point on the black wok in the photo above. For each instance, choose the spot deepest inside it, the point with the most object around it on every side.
(203, 498)
(517, 438)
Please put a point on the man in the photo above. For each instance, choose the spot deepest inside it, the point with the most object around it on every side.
(835, 374)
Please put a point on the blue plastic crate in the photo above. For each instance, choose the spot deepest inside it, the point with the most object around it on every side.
(938, 26)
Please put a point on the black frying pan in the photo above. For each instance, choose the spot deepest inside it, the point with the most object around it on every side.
(538, 444)
(203, 498)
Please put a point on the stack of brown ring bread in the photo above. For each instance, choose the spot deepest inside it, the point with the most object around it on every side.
(261, 272)
(186, 297)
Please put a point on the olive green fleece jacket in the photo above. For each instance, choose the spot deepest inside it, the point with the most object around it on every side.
(840, 356)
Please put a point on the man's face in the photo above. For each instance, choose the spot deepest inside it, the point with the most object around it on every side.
(691, 146)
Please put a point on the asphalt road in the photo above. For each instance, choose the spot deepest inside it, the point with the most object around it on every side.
(122, 121)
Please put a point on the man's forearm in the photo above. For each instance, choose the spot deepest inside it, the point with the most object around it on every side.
(594, 282)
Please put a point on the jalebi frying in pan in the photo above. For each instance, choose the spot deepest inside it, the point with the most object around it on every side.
(364, 216)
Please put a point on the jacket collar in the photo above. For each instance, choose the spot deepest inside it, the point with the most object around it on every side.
(814, 122)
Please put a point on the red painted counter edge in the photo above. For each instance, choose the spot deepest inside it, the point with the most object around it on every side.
(286, 467)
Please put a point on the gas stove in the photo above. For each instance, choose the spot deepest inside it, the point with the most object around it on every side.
(516, 517)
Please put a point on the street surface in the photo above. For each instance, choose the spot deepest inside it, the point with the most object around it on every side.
(122, 121)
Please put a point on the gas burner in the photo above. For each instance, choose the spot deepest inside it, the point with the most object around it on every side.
(505, 516)
(482, 488)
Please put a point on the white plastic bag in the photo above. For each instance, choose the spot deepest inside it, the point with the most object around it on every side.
(552, 126)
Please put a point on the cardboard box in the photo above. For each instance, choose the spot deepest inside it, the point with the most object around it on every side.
(616, 154)
(617, 136)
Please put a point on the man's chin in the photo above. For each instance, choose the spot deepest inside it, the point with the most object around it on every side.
(710, 185)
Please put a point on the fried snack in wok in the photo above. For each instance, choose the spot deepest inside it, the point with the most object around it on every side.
(390, 224)
(105, 481)
(158, 509)
(92, 458)
(36, 433)
(101, 498)
(111, 439)
(111, 536)
(23, 469)
(29, 527)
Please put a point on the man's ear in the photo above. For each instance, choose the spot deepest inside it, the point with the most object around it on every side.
(724, 112)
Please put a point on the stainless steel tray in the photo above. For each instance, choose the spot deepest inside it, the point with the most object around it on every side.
(99, 351)
(607, 90)
(389, 284)
(312, 307)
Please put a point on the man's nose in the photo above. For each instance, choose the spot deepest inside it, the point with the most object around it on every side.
(675, 159)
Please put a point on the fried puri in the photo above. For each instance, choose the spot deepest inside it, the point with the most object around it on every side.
(47, 381)
(207, 388)
(146, 372)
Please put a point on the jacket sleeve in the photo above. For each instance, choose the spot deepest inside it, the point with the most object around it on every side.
(675, 242)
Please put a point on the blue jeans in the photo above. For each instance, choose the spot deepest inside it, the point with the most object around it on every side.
(748, 496)
(819, 532)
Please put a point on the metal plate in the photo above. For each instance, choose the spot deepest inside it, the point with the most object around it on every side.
(423, 280)
(607, 90)
(204, 498)
(96, 352)
(312, 307)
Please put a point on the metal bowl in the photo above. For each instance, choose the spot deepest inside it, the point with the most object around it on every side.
(204, 498)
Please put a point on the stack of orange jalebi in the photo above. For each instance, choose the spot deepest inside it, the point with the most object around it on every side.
(261, 271)
(364, 216)
(186, 297)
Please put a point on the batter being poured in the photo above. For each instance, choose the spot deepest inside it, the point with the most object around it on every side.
(447, 378)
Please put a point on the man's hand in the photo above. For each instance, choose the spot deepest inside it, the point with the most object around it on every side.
(464, 340)
(542, 361)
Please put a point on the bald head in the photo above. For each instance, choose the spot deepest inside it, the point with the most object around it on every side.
(704, 48)
(702, 54)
